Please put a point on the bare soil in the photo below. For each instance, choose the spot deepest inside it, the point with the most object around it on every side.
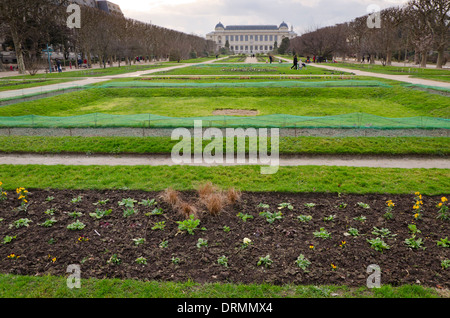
(49, 250)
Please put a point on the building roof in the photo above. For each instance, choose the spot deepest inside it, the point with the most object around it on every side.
(251, 27)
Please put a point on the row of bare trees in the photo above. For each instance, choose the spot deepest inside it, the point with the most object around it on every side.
(29, 25)
(412, 31)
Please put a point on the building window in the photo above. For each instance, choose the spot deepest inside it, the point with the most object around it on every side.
(266, 38)
(251, 48)
(246, 47)
(251, 37)
(276, 38)
(231, 38)
(265, 47)
(242, 38)
(242, 48)
(271, 38)
(261, 48)
(227, 38)
(246, 38)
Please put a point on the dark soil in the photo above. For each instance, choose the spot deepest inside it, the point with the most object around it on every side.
(49, 250)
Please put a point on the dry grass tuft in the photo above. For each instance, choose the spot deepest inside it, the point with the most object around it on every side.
(233, 195)
(214, 203)
(171, 197)
(186, 209)
(206, 189)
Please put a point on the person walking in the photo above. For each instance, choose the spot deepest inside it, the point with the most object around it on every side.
(295, 66)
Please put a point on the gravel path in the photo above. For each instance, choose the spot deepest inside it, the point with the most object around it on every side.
(165, 160)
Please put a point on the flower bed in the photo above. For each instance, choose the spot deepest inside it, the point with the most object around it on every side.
(278, 238)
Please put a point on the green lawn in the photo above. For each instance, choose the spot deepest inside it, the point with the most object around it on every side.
(12, 286)
(247, 69)
(389, 146)
(287, 179)
(394, 102)
(6, 85)
(96, 72)
(426, 73)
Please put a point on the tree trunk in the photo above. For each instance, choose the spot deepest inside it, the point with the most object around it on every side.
(19, 51)
(423, 62)
(389, 58)
(440, 58)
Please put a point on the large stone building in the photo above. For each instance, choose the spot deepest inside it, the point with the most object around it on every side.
(249, 39)
(103, 5)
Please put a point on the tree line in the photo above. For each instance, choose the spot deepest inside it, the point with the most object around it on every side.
(30, 25)
(418, 30)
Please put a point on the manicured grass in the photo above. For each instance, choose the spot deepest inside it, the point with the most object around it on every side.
(6, 85)
(247, 69)
(426, 73)
(96, 71)
(12, 286)
(394, 102)
(246, 178)
(390, 146)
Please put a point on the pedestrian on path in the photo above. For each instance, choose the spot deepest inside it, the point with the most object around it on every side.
(295, 65)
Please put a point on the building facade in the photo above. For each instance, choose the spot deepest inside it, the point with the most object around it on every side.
(106, 6)
(250, 39)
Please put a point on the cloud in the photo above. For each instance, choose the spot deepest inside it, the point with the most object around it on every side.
(201, 16)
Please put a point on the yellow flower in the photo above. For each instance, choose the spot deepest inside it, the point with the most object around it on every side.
(1, 183)
(416, 215)
(417, 193)
(333, 266)
(311, 246)
(415, 207)
(444, 199)
(439, 204)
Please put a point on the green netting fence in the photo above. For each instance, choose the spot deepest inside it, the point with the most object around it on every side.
(99, 120)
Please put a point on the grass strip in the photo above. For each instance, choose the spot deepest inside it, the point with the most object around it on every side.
(391, 146)
(327, 179)
(13, 286)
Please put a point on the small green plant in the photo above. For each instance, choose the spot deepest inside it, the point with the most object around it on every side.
(202, 243)
(129, 202)
(155, 211)
(114, 259)
(363, 205)
(353, 232)
(21, 223)
(302, 262)
(138, 241)
(159, 225)
(77, 225)
(322, 233)
(49, 198)
(77, 199)
(129, 211)
(264, 206)
(50, 211)
(443, 242)
(445, 263)
(412, 242)
(151, 202)
(226, 228)
(7, 239)
(271, 217)
(244, 216)
(383, 232)
(176, 260)
(304, 218)
(141, 260)
(310, 205)
(189, 225)
(223, 260)
(74, 214)
(329, 218)
(285, 205)
(98, 214)
(342, 205)
(360, 218)
(102, 202)
(378, 244)
(413, 229)
(164, 244)
(265, 261)
(246, 242)
(49, 222)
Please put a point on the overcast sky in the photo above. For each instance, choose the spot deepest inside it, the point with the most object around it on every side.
(200, 16)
